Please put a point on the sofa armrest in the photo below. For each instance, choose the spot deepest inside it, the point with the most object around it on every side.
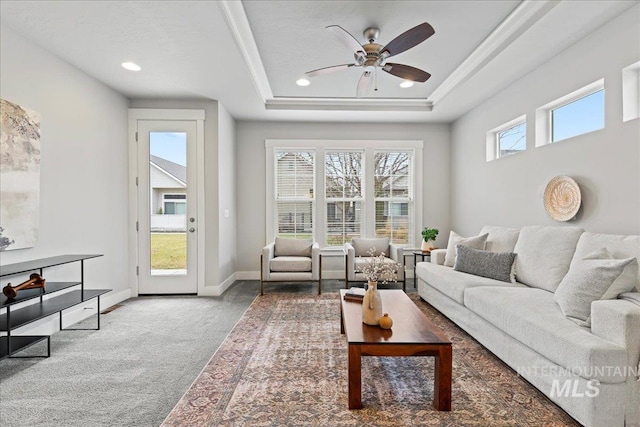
(397, 254)
(350, 254)
(437, 256)
(268, 253)
(618, 321)
(315, 261)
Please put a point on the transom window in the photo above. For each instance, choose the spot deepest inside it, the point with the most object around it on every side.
(581, 116)
(576, 113)
(512, 140)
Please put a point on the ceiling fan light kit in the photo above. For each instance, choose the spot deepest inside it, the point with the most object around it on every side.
(373, 56)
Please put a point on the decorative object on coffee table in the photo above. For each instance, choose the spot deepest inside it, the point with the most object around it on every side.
(34, 282)
(562, 198)
(376, 269)
(372, 305)
(386, 322)
(428, 238)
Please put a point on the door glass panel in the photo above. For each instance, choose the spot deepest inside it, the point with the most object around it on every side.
(167, 190)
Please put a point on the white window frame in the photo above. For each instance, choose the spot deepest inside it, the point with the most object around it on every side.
(543, 127)
(360, 199)
(319, 207)
(631, 92)
(493, 138)
(410, 199)
(273, 197)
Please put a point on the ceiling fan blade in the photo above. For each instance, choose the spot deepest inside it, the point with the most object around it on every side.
(406, 72)
(327, 70)
(347, 39)
(365, 83)
(408, 39)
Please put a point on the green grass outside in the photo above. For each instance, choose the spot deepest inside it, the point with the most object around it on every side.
(168, 251)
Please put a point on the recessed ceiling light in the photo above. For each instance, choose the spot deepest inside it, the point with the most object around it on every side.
(406, 83)
(303, 82)
(131, 66)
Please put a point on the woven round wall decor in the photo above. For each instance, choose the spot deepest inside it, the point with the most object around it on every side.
(562, 198)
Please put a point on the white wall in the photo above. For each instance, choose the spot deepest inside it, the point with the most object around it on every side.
(251, 172)
(84, 164)
(226, 196)
(605, 163)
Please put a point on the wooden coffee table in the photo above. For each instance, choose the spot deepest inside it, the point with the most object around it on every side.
(412, 335)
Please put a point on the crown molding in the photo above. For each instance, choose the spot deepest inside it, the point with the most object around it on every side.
(238, 23)
(348, 104)
(520, 20)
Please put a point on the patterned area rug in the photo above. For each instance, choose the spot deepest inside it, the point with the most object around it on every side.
(285, 364)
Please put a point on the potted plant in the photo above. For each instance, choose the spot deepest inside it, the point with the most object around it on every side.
(428, 238)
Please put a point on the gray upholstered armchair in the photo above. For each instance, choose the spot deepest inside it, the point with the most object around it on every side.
(290, 260)
(357, 252)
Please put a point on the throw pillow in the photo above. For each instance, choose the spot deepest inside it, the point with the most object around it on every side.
(587, 281)
(626, 282)
(475, 242)
(494, 265)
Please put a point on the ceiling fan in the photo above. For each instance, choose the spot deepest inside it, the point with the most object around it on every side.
(372, 55)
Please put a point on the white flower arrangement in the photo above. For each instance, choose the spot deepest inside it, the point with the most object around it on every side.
(377, 269)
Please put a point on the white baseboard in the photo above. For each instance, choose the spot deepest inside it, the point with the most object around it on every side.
(215, 291)
(51, 324)
(248, 275)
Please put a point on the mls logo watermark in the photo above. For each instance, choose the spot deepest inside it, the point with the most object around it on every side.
(572, 388)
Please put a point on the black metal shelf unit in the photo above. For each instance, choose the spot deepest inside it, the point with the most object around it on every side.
(14, 318)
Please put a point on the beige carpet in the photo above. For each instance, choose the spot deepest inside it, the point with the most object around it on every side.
(285, 364)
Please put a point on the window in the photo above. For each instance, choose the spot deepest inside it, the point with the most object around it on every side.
(577, 117)
(507, 139)
(577, 113)
(294, 193)
(631, 92)
(335, 190)
(343, 196)
(174, 204)
(393, 187)
(512, 140)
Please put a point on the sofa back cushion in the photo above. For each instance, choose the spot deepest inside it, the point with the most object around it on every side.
(619, 246)
(292, 247)
(500, 239)
(544, 254)
(361, 246)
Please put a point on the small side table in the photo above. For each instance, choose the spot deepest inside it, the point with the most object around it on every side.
(422, 255)
(329, 253)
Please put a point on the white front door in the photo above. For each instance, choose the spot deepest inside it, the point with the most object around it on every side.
(167, 207)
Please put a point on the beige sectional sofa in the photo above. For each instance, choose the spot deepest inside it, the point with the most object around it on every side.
(590, 372)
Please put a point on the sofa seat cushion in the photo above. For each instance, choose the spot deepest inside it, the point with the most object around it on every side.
(532, 317)
(290, 263)
(453, 283)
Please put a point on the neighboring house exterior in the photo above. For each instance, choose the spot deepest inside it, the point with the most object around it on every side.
(168, 195)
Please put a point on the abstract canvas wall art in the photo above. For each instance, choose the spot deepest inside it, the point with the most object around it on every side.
(19, 176)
